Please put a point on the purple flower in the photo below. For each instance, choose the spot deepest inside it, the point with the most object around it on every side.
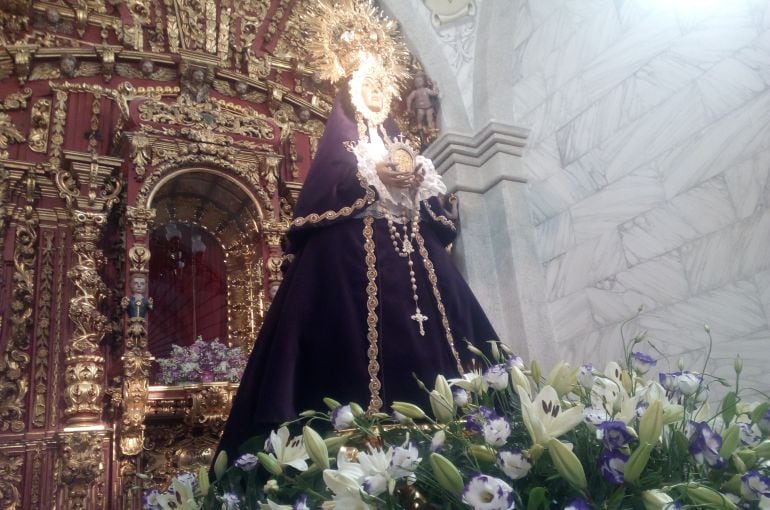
(488, 493)
(514, 361)
(750, 434)
(342, 417)
(705, 444)
(513, 463)
(150, 500)
(577, 504)
(460, 396)
(496, 431)
(613, 434)
(668, 381)
(247, 461)
(496, 377)
(642, 363)
(612, 465)
(300, 503)
(585, 376)
(688, 383)
(475, 422)
(755, 486)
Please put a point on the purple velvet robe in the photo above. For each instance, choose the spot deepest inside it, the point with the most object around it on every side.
(313, 342)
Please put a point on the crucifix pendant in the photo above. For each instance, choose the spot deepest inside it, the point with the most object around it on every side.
(420, 318)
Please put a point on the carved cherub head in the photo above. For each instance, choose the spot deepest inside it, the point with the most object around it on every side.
(138, 284)
(147, 66)
(67, 65)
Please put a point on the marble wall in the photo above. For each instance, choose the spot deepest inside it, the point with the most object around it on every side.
(648, 165)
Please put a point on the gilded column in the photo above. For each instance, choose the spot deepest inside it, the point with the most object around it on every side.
(84, 373)
(274, 232)
(137, 359)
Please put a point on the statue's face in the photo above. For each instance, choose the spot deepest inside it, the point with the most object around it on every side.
(419, 82)
(138, 285)
(241, 88)
(148, 66)
(67, 65)
(372, 94)
(52, 15)
(304, 115)
(197, 76)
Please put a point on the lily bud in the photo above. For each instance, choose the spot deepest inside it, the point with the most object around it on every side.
(738, 364)
(537, 374)
(443, 409)
(651, 424)
(680, 364)
(706, 496)
(507, 350)
(475, 350)
(408, 409)
(220, 465)
(203, 480)
(567, 464)
(495, 350)
(482, 453)
(308, 414)
(356, 409)
(637, 462)
(519, 379)
(270, 464)
(748, 458)
(315, 446)
(730, 441)
(442, 386)
(446, 474)
(331, 403)
(740, 466)
(562, 378)
(763, 450)
(656, 500)
(334, 443)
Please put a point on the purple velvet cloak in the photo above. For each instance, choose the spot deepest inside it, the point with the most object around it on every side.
(313, 342)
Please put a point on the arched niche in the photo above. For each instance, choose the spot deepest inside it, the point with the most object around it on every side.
(206, 268)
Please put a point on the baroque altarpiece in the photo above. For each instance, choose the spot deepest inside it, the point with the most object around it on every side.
(135, 135)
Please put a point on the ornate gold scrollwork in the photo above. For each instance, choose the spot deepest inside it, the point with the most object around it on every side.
(9, 134)
(141, 154)
(85, 366)
(210, 407)
(136, 375)
(40, 119)
(10, 481)
(14, 361)
(141, 220)
(81, 465)
(43, 330)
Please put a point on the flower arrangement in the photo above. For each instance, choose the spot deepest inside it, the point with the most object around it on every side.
(511, 436)
(202, 362)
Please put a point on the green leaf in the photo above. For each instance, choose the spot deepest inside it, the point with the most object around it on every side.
(759, 412)
(616, 499)
(728, 407)
(537, 499)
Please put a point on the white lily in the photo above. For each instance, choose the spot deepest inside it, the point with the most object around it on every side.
(473, 381)
(609, 393)
(545, 417)
(288, 451)
(654, 392)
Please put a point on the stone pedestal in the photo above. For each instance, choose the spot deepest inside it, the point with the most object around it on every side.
(496, 247)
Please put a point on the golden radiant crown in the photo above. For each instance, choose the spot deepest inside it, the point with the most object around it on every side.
(343, 33)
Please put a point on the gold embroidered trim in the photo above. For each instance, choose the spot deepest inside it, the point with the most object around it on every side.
(375, 404)
(441, 219)
(439, 303)
(345, 211)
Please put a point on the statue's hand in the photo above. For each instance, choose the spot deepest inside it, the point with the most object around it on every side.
(392, 177)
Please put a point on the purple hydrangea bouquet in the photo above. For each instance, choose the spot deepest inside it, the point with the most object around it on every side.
(513, 436)
(202, 362)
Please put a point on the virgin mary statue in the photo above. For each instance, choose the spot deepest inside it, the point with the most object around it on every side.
(372, 298)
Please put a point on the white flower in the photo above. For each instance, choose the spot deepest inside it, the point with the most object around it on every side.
(342, 417)
(609, 394)
(488, 493)
(513, 463)
(271, 486)
(496, 377)
(472, 381)
(460, 396)
(544, 416)
(230, 501)
(656, 500)
(288, 452)
(496, 431)
(688, 383)
(750, 434)
(437, 443)
(375, 466)
(585, 376)
(247, 461)
(404, 460)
